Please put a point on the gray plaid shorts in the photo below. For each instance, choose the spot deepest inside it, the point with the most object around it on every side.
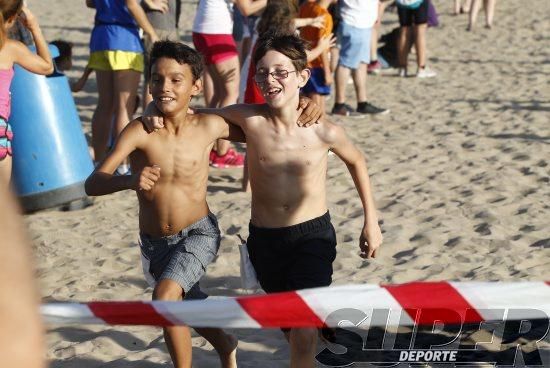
(182, 257)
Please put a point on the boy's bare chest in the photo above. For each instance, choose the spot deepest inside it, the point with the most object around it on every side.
(178, 157)
(297, 154)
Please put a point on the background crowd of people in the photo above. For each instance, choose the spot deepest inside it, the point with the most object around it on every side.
(343, 36)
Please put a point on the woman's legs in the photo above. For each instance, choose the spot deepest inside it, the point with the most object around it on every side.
(474, 10)
(103, 114)
(125, 86)
(489, 12)
(225, 76)
(420, 44)
(403, 46)
(459, 8)
(208, 90)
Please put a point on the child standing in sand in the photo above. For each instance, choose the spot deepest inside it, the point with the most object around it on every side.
(14, 52)
(179, 235)
(116, 56)
(292, 242)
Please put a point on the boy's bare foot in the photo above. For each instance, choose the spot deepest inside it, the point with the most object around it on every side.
(224, 343)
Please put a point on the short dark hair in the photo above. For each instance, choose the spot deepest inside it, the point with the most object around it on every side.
(289, 45)
(65, 49)
(180, 52)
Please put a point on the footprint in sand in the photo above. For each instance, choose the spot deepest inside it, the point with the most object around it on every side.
(544, 243)
(521, 157)
(452, 242)
(403, 254)
(527, 229)
(522, 210)
(483, 229)
(526, 171)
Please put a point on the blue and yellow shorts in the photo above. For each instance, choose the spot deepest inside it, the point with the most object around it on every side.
(111, 60)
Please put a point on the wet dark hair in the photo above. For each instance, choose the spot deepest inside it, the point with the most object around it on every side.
(289, 45)
(183, 54)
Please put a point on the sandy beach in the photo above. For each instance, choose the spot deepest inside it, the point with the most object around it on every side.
(459, 168)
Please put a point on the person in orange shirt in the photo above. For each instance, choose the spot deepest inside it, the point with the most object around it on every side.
(318, 86)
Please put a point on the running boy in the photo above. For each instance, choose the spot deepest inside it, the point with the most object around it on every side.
(292, 242)
(179, 236)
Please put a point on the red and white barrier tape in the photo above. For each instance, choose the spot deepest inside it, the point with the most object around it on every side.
(421, 303)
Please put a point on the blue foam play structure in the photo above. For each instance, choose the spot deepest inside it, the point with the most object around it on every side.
(50, 153)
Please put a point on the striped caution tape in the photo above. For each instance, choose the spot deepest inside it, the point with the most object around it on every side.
(420, 303)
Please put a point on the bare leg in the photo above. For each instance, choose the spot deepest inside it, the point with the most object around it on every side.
(303, 342)
(225, 345)
(245, 49)
(374, 43)
(5, 170)
(403, 47)
(334, 55)
(226, 84)
(103, 114)
(489, 12)
(342, 76)
(420, 44)
(22, 333)
(457, 7)
(359, 77)
(178, 339)
(474, 10)
(208, 89)
(125, 87)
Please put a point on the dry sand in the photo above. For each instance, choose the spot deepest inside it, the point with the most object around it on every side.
(460, 171)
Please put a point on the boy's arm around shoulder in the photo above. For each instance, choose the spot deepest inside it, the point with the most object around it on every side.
(102, 181)
(339, 142)
(219, 127)
(230, 121)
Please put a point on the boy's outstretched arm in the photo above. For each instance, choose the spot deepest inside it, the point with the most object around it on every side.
(102, 181)
(371, 235)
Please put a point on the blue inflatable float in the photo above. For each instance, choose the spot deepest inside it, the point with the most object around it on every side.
(50, 153)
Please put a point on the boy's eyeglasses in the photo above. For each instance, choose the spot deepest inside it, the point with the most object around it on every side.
(277, 75)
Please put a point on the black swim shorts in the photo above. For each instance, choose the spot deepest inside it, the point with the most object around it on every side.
(294, 257)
